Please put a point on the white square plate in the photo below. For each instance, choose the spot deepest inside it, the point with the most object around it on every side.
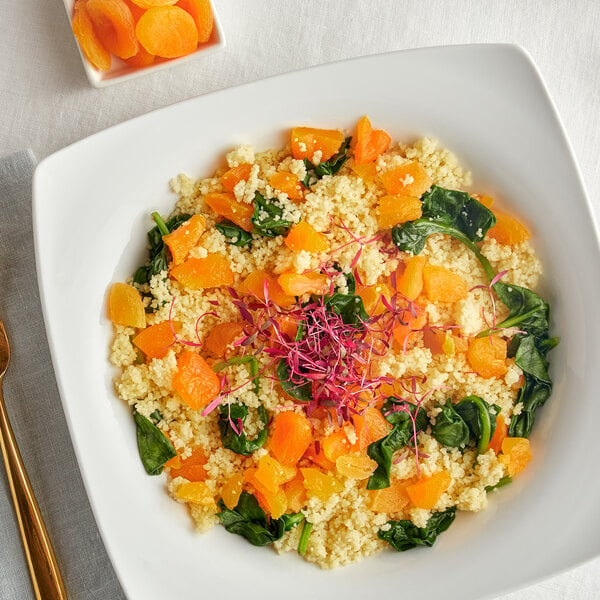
(92, 201)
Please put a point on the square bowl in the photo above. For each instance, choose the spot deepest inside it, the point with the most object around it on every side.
(92, 200)
(121, 71)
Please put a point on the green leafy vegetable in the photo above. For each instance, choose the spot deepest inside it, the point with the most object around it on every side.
(154, 447)
(249, 520)
(237, 442)
(158, 260)
(234, 234)
(349, 277)
(450, 429)
(403, 535)
(329, 167)
(301, 392)
(396, 412)
(451, 212)
(156, 416)
(501, 483)
(268, 217)
(480, 418)
(530, 315)
(349, 307)
(304, 535)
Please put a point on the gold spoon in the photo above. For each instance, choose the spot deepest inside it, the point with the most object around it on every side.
(45, 575)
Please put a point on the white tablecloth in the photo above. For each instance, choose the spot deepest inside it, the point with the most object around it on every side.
(47, 103)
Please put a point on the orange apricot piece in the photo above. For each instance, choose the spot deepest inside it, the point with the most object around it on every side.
(221, 336)
(227, 206)
(426, 492)
(91, 46)
(370, 427)
(141, 59)
(487, 201)
(255, 283)
(303, 236)
(236, 174)
(195, 381)
(354, 466)
(306, 141)
(442, 285)
(372, 297)
(152, 3)
(367, 172)
(232, 490)
(288, 183)
(192, 467)
(201, 12)
(516, 454)
(296, 284)
(398, 209)
(136, 11)
(272, 474)
(155, 341)
(409, 179)
(114, 26)
(185, 237)
(392, 499)
(336, 444)
(199, 273)
(320, 484)
(167, 31)
(508, 230)
(196, 492)
(125, 306)
(370, 144)
(295, 493)
(292, 434)
(410, 283)
(500, 434)
(319, 457)
(273, 503)
(487, 356)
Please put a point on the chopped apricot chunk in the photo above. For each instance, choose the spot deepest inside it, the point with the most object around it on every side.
(295, 493)
(292, 434)
(185, 237)
(192, 467)
(90, 44)
(296, 284)
(370, 427)
(141, 59)
(320, 484)
(398, 209)
(196, 492)
(487, 356)
(155, 341)
(232, 490)
(221, 336)
(304, 237)
(255, 285)
(228, 207)
(516, 454)
(125, 306)
(372, 297)
(409, 179)
(236, 174)
(167, 31)
(336, 444)
(114, 26)
(392, 499)
(306, 141)
(288, 183)
(442, 285)
(201, 12)
(508, 230)
(315, 454)
(370, 143)
(272, 474)
(426, 492)
(195, 382)
(152, 3)
(500, 434)
(273, 503)
(199, 273)
(410, 283)
(353, 466)
(367, 172)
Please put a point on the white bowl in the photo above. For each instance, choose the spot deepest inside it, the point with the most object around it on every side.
(121, 71)
(91, 208)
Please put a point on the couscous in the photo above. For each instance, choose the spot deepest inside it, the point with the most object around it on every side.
(334, 346)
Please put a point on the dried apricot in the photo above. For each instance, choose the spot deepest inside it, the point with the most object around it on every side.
(90, 44)
(295, 284)
(125, 306)
(304, 237)
(155, 341)
(292, 434)
(308, 141)
(516, 454)
(167, 31)
(192, 467)
(195, 381)
(394, 210)
(288, 183)
(487, 356)
(355, 467)
(227, 206)
(442, 285)
(185, 237)
(410, 283)
(508, 230)
(319, 484)
(221, 336)
(392, 499)
(114, 26)
(409, 179)
(200, 273)
(255, 285)
(369, 143)
(232, 490)
(236, 174)
(426, 492)
(201, 12)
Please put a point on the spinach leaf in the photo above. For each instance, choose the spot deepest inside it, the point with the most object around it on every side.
(329, 167)
(268, 217)
(480, 418)
(299, 391)
(156, 416)
(382, 451)
(501, 483)
(403, 535)
(453, 213)
(349, 307)
(239, 444)
(153, 445)
(234, 234)
(531, 315)
(158, 260)
(450, 429)
(249, 520)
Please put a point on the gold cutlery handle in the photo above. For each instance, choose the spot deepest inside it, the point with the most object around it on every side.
(45, 574)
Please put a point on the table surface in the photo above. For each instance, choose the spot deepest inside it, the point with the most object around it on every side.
(47, 102)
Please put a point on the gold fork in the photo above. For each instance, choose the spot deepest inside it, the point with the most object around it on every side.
(45, 575)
